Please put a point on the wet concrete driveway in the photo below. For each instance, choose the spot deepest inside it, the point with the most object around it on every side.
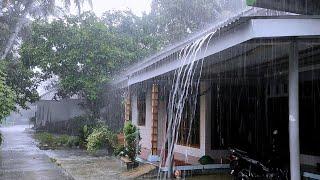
(21, 159)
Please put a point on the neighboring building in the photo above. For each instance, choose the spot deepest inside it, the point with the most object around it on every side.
(54, 115)
(249, 76)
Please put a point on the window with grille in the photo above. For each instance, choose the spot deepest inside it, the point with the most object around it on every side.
(189, 131)
(142, 109)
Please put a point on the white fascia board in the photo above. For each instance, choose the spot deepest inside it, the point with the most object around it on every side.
(271, 28)
(251, 29)
(218, 43)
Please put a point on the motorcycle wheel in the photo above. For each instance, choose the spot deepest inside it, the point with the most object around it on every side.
(242, 175)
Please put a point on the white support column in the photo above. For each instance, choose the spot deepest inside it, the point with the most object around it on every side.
(294, 111)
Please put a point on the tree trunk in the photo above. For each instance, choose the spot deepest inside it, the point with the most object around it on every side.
(16, 31)
(1, 6)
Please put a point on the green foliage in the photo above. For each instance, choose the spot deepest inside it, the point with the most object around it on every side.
(73, 141)
(141, 30)
(18, 86)
(7, 97)
(20, 78)
(55, 141)
(83, 51)
(23, 81)
(84, 134)
(62, 140)
(15, 14)
(84, 125)
(1, 139)
(250, 2)
(45, 138)
(32, 120)
(86, 51)
(119, 150)
(177, 19)
(132, 139)
(100, 137)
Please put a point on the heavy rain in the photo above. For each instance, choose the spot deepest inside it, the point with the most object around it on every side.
(159, 89)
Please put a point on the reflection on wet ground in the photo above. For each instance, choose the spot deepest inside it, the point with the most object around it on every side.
(21, 159)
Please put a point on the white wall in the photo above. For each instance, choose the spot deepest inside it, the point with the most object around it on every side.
(205, 125)
(145, 131)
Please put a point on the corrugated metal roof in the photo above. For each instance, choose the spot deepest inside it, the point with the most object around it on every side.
(172, 48)
(223, 26)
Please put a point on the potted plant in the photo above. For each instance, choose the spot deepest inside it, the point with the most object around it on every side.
(132, 146)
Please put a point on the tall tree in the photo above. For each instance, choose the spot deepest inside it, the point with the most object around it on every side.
(7, 97)
(17, 79)
(140, 29)
(176, 19)
(14, 16)
(82, 51)
(23, 81)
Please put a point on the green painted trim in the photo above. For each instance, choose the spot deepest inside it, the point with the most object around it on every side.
(251, 2)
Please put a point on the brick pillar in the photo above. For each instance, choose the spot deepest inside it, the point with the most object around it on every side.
(127, 108)
(154, 110)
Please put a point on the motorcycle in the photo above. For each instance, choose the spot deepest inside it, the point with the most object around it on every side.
(244, 167)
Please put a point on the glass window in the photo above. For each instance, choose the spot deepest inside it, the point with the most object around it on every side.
(142, 109)
(191, 114)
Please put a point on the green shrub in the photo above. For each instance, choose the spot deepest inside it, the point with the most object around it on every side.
(85, 131)
(52, 141)
(132, 139)
(32, 120)
(73, 141)
(87, 124)
(80, 121)
(100, 137)
(119, 150)
(62, 140)
(45, 138)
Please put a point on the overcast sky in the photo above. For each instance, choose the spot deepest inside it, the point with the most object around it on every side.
(137, 6)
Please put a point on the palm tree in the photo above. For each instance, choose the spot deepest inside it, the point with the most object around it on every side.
(29, 8)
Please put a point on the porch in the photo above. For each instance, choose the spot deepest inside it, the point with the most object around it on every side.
(250, 79)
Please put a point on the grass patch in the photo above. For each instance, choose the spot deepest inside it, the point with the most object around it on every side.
(50, 141)
(53, 160)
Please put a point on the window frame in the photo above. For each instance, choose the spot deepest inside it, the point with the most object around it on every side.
(186, 119)
(141, 107)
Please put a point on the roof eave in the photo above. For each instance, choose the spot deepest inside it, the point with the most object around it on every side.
(237, 33)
